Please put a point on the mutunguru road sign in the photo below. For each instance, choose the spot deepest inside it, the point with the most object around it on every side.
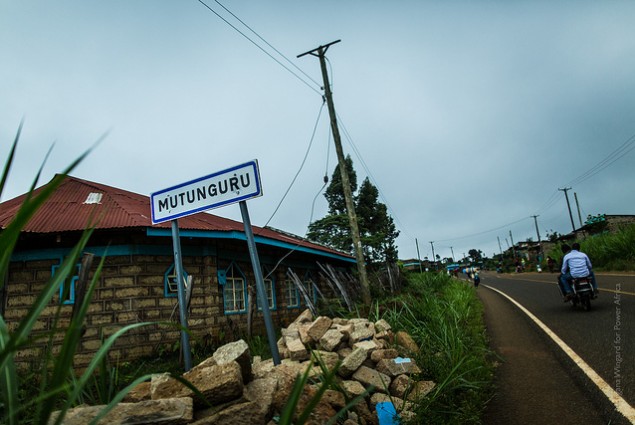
(212, 191)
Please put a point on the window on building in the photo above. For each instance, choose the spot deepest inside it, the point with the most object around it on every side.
(67, 288)
(292, 295)
(170, 285)
(269, 289)
(234, 290)
(309, 284)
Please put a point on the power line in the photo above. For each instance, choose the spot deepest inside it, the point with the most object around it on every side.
(267, 43)
(306, 154)
(258, 46)
(618, 153)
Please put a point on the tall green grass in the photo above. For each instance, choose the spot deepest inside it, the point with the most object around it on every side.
(444, 317)
(57, 387)
(608, 251)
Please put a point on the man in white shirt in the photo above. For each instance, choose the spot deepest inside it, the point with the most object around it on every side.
(577, 265)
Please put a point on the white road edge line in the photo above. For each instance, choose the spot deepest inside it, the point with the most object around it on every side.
(620, 404)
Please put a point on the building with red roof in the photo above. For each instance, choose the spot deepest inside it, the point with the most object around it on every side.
(138, 283)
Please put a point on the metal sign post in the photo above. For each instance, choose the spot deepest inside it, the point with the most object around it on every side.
(260, 284)
(178, 268)
(235, 184)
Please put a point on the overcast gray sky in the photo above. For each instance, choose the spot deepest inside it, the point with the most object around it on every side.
(468, 115)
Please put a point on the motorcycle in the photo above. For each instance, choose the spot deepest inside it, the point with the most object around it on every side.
(583, 292)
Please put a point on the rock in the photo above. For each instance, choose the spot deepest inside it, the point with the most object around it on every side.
(138, 393)
(261, 391)
(164, 386)
(382, 326)
(169, 411)
(344, 352)
(331, 340)
(352, 362)
(368, 376)
(304, 317)
(386, 353)
(235, 352)
(217, 383)
(369, 345)
(319, 327)
(247, 413)
(401, 386)
(352, 388)
(420, 389)
(362, 330)
(405, 340)
(262, 369)
(335, 399)
(398, 366)
(328, 358)
(297, 350)
(399, 403)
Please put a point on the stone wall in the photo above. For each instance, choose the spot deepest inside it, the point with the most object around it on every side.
(131, 290)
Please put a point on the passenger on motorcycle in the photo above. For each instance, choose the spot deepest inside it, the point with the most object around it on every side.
(576, 264)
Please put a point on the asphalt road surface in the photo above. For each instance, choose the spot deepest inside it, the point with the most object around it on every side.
(537, 383)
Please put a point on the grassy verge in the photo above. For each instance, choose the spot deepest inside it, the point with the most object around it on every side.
(445, 318)
(607, 251)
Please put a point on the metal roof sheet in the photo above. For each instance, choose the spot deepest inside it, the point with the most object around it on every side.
(76, 205)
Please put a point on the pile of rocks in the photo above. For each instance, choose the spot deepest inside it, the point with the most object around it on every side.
(374, 365)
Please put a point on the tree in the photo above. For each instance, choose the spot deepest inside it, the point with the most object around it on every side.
(475, 254)
(377, 229)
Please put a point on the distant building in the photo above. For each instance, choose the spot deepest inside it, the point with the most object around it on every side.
(138, 282)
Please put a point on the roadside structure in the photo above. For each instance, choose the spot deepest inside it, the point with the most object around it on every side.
(138, 281)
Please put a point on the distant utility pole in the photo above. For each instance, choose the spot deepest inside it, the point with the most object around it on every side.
(434, 258)
(538, 234)
(346, 185)
(536, 223)
(511, 238)
(568, 205)
(418, 256)
(577, 204)
(451, 250)
(499, 247)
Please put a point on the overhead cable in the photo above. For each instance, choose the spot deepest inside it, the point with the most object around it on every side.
(260, 47)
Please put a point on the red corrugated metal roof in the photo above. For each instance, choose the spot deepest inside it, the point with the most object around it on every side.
(67, 209)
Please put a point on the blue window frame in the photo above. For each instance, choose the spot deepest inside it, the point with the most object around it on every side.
(309, 284)
(270, 289)
(291, 293)
(234, 289)
(67, 297)
(170, 285)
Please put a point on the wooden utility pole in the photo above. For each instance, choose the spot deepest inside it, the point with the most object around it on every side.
(568, 205)
(348, 194)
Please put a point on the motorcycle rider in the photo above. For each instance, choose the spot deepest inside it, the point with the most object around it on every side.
(576, 264)
(565, 277)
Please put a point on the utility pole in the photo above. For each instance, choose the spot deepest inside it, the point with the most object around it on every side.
(538, 234)
(434, 258)
(418, 256)
(577, 204)
(451, 250)
(568, 205)
(348, 194)
(536, 223)
(511, 238)
(499, 247)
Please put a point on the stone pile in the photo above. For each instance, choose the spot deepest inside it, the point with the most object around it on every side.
(232, 388)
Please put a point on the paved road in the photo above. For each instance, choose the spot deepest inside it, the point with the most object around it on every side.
(536, 379)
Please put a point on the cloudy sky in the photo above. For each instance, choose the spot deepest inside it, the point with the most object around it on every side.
(467, 115)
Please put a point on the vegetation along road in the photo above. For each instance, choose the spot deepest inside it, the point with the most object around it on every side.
(537, 380)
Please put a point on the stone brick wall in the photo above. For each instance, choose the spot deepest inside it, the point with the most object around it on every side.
(130, 290)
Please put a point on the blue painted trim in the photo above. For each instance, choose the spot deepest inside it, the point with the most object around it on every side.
(234, 234)
(273, 293)
(166, 293)
(111, 251)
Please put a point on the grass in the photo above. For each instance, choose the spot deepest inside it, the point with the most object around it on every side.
(444, 317)
(607, 251)
(33, 396)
